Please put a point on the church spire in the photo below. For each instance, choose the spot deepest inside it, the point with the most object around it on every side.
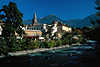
(34, 22)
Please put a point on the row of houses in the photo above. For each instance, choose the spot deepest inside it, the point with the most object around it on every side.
(36, 30)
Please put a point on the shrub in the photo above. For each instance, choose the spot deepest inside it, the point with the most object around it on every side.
(36, 44)
(3, 47)
(79, 40)
(51, 44)
(13, 45)
(43, 44)
(58, 42)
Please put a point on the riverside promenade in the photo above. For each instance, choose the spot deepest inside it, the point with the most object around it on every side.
(17, 53)
(25, 52)
(76, 55)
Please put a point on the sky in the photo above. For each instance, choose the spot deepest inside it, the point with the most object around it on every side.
(64, 9)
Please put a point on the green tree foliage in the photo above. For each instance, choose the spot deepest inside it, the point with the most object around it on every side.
(36, 44)
(95, 32)
(58, 42)
(97, 29)
(44, 44)
(51, 44)
(12, 19)
(67, 38)
(3, 47)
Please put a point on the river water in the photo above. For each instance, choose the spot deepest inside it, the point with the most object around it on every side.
(78, 55)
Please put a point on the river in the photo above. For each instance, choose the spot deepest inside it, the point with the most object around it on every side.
(77, 55)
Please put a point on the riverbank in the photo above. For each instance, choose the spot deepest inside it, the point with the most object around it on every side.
(76, 55)
(25, 52)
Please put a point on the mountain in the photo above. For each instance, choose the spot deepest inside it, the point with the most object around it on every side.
(73, 23)
(82, 22)
(49, 19)
(45, 20)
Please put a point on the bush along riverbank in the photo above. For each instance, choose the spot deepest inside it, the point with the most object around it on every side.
(30, 45)
(53, 57)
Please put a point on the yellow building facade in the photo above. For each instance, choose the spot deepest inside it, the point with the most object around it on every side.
(33, 33)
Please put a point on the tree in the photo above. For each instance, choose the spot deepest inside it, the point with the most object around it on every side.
(95, 32)
(58, 42)
(97, 29)
(3, 47)
(12, 19)
(51, 44)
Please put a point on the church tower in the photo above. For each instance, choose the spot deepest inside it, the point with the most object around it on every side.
(34, 21)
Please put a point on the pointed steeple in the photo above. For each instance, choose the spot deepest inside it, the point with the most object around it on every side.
(34, 21)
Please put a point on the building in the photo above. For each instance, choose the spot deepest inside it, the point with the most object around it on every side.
(32, 34)
(54, 28)
(66, 28)
(35, 24)
(1, 30)
(58, 28)
(33, 30)
(44, 28)
(36, 30)
(1, 23)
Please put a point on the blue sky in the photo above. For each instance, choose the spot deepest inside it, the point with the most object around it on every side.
(64, 9)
